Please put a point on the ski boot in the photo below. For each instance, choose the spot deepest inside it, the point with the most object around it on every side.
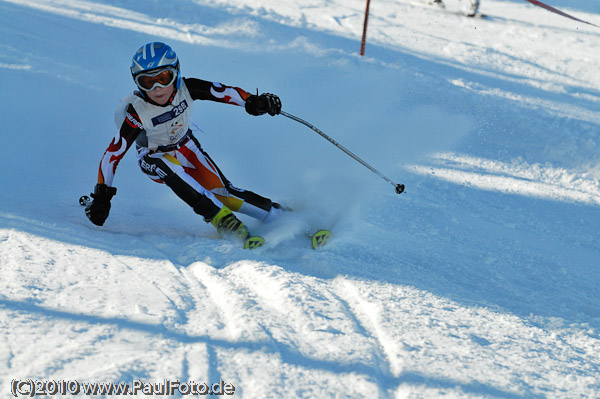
(438, 3)
(228, 224)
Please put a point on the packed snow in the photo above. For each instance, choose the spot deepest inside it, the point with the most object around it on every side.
(480, 281)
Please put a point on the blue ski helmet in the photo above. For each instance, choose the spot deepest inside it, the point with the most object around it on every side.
(154, 56)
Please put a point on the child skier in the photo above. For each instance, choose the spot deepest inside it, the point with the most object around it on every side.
(157, 119)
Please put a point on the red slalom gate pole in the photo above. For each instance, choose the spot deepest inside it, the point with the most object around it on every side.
(363, 42)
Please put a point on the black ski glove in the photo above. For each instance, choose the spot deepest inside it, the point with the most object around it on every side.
(97, 210)
(265, 103)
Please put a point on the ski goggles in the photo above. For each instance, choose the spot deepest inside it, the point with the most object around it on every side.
(148, 81)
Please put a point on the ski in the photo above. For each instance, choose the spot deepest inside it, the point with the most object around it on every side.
(476, 15)
(317, 240)
(254, 242)
(320, 238)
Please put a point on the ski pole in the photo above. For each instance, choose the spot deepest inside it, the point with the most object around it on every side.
(399, 187)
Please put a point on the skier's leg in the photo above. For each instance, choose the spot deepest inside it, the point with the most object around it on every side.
(165, 168)
(203, 169)
(474, 7)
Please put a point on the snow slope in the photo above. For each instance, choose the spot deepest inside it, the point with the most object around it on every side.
(481, 281)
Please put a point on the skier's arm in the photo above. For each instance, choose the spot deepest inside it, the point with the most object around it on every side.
(213, 91)
(125, 137)
(97, 211)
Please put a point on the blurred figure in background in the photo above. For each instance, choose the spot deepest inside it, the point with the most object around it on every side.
(471, 13)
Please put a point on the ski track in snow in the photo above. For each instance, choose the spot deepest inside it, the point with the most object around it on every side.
(272, 317)
(515, 178)
(479, 282)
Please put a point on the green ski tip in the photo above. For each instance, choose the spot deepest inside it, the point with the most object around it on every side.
(320, 238)
(254, 242)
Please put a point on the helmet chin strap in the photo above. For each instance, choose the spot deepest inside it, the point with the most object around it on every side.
(172, 95)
